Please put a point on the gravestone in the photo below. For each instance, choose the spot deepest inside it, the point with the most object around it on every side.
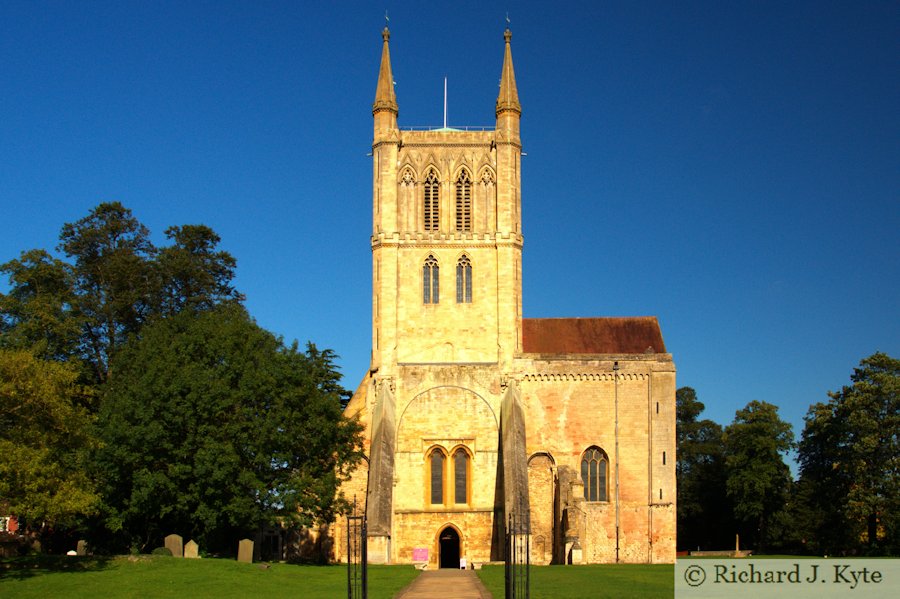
(245, 551)
(81, 548)
(191, 550)
(174, 543)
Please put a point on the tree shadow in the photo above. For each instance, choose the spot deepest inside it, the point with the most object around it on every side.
(19, 568)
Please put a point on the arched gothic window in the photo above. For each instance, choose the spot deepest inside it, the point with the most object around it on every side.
(460, 476)
(594, 466)
(464, 281)
(430, 281)
(431, 210)
(437, 460)
(464, 201)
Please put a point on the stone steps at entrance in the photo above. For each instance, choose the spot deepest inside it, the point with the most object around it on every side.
(445, 584)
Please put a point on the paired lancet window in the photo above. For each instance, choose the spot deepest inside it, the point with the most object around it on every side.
(464, 281)
(438, 463)
(430, 281)
(594, 467)
(431, 209)
(464, 202)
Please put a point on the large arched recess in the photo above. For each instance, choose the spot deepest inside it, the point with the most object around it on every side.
(447, 412)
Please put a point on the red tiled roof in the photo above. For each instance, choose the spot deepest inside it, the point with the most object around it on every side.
(631, 335)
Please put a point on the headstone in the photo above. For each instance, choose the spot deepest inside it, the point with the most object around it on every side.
(174, 543)
(191, 550)
(81, 548)
(245, 551)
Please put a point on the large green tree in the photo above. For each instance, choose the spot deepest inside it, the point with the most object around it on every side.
(757, 478)
(212, 427)
(194, 274)
(114, 279)
(44, 437)
(704, 511)
(850, 461)
(38, 312)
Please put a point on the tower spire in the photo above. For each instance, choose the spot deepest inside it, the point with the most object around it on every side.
(508, 99)
(385, 108)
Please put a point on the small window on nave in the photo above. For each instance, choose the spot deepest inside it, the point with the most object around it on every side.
(594, 467)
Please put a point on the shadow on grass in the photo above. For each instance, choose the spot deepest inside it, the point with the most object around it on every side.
(36, 565)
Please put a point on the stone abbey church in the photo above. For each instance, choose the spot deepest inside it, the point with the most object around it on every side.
(473, 413)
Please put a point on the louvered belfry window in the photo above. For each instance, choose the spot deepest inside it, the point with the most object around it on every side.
(431, 210)
(464, 202)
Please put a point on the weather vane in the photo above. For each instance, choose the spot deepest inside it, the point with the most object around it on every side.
(507, 19)
(386, 19)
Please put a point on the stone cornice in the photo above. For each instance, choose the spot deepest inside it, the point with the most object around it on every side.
(584, 376)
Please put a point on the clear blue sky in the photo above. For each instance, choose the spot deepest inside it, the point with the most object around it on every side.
(732, 168)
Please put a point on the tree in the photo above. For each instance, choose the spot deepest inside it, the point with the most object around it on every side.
(850, 460)
(114, 279)
(38, 312)
(213, 427)
(44, 435)
(704, 513)
(757, 478)
(194, 275)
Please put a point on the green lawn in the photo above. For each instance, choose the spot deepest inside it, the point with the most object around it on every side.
(590, 582)
(161, 577)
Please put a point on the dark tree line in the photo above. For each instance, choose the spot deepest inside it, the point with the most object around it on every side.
(846, 498)
(139, 398)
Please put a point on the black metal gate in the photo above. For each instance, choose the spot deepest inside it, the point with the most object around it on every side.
(518, 556)
(357, 563)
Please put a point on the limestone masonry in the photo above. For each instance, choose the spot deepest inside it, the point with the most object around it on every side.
(472, 412)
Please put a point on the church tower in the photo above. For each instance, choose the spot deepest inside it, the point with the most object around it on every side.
(446, 236)
(475, 417)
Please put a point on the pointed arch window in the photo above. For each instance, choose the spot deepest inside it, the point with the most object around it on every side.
(464, 280)
(464, 201)
(436, 461)
(460, 476)
(431, 209)
(594, 468)
(430, 281)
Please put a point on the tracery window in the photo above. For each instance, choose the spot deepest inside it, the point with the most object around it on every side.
(594, 466)
(430, 281)
(464, 201)
(437, 460)
(431, 210)
(464, 280)
(460, 476)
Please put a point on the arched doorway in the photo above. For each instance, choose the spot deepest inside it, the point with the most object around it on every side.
(449, 548)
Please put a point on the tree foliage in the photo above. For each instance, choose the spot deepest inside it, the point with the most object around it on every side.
(704, 513)
(38, 313)
(114, 281)
(212, 426)
(44, 436)
(850, 462)
(757, 478)
(193, 273)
